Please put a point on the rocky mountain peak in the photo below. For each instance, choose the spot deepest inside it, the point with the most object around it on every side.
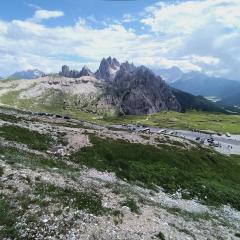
(108, 68)
(85, 71)
(137, 90)
(130, 89)
(113, 62)
(126, 66)
(170, 75)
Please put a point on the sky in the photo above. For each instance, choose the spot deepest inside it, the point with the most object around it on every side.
(197, 35)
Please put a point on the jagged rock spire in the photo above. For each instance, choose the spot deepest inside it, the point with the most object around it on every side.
(108, 68)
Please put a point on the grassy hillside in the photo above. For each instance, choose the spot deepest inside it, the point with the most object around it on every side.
(56, 102)
(191, 102)
(218, 122)
(33, 139)
(231, 100)
(201, 173)
(47, 193)
(212, 177)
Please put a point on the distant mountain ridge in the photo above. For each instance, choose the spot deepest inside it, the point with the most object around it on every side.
(200, 84)
(192, 102)
(170, 75)
(28, 74)
(232, 99)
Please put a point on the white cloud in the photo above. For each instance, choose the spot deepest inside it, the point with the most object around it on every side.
(25, 44)
(163, 62)
(33, 6)
(54, 46)
(186, 17)
(193, 35)
(203, 59)
(208, 33)
(45, 14)
(127, 18)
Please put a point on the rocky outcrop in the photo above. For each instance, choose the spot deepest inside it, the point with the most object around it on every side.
(66, 72)
(86, 72)
(137, 90)
(108, 69)
(129, 89)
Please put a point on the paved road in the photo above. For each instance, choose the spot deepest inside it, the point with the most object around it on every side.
(227, 145)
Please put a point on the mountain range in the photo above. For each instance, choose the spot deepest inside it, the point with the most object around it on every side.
(232, 99)
(116, 88)
(201, 84)
(137, 90)
(225, 91)
(130, 89)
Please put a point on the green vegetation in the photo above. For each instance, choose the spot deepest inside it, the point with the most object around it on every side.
(15, 156)
(11, 98)
(7, 220)
(132, 205)
(189, 101)
(33, 139)
(55, 101)
(210, 176)
(237, 235)
(88, 201)
(8, 118)
(1, 171)
(218, 122)
(160, 236)
(80, 107)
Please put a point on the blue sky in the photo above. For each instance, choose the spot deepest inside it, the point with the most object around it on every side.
(73, 8)
(198, 35)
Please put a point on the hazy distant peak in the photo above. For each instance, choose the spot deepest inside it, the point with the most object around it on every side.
(170, 74)
(28, 74)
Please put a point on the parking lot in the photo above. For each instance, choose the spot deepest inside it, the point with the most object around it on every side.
(224, 143)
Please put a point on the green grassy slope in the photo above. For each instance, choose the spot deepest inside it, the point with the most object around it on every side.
(190, 102)
(33, 139)
(218, 122)
(212, 177)
(55, 101)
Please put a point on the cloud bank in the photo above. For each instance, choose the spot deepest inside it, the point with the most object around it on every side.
(200, 35)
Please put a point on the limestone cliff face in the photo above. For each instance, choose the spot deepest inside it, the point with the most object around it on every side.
(129, 89)
(66, 72)
(136, 90)
(108, 69)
